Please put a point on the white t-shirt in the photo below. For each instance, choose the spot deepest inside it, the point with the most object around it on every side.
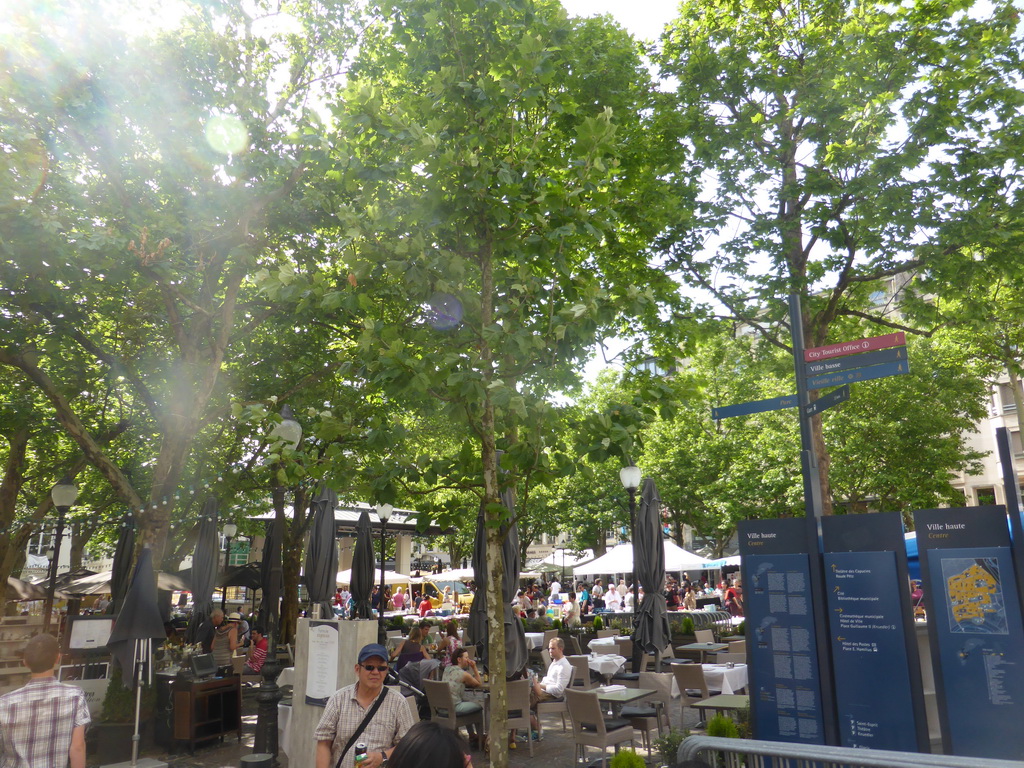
(612, 600)
(557, 678)
(556, 587)
(597, 591)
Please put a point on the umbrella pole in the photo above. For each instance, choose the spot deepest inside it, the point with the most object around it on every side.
(140, 645)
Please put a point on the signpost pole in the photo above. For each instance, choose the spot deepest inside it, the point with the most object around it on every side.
(1013, 505)
(808, 461)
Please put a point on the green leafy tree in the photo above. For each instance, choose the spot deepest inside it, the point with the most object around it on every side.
(480, 237)
(841, 146)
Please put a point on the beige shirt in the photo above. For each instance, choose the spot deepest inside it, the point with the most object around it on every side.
(343, 714)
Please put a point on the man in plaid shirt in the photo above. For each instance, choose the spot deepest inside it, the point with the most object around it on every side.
(42, 725)
(346, 709)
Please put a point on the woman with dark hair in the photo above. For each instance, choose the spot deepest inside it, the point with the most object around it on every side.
(430, 745)
(449, 643)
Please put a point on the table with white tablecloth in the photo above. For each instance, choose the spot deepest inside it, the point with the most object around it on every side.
(534, 640)
(287, 677)
(605, 664)
(721, 677)
(284, 726)
(607, 644)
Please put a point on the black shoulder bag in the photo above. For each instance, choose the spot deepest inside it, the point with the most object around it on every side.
(362, 726)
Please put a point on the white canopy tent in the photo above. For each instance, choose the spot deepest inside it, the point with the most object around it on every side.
(724, 561)
(390, 577)
(455, 574)
(561, 558)
(619, 559)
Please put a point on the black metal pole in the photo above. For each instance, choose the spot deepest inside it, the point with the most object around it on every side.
(381, 631)
(808, 460)
(269, 695)
(632, 534)
(51, 586)
(227, 562)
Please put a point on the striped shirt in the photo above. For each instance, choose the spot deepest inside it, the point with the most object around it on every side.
(343, 715)
(37, 721)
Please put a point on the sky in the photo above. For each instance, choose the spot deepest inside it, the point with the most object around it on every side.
(644, 18)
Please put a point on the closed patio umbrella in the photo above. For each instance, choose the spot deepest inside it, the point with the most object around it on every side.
(476, 627)
(271, 577)
(652, 630)
(362, 569)
(322, 553)
(137, 625)
(121, 571)
(516, 653)
(205, 566)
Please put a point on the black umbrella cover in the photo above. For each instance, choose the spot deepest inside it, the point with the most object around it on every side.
(652, 630)
(322, 553)
(121, 571)
(271, 577)
(138, 619)
(362, 569)
(516, 653)
(476, 627)
(205, 564)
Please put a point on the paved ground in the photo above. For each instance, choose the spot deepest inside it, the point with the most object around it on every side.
(556, 749)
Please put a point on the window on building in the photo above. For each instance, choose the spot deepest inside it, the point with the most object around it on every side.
(1015, 443)
(1006, 398)
(239, 554)
(985, 496)
(41, 543)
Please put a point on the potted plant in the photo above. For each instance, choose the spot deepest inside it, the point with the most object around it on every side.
(111, 734)
(668, 745)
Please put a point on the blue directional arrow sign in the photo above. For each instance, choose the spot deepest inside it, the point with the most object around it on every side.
(835, 397)
(859, 374)
(835, 365)
(755, 406)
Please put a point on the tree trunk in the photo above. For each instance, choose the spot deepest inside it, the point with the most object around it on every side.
(10, 487)
(495, 599)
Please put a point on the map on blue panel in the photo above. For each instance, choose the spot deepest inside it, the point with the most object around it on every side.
(975, 602)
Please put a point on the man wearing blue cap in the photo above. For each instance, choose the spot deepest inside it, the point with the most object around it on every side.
(338, 731)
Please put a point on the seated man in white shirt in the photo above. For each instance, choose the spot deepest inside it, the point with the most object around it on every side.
(552, 685)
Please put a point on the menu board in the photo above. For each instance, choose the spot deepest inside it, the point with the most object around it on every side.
(975, 628)
(785, 687)
(322, 672)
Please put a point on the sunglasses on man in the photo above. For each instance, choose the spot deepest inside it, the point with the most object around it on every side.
(373, 668)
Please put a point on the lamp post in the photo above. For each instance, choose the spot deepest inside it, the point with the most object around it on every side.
(63, 495)
(289, 431)
(229, 530)
(630, 477)
(384, 513)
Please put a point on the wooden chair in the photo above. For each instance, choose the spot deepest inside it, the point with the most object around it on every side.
(574, 646)
(581, 675)
(442, 707)
(555, 705)
(652, 711)
(625, 647)
(519, 708)
(591, 728)
(545, 656)
(549, 635)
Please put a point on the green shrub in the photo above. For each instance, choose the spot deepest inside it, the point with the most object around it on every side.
(396, 622)
(741, 628)
(627, 758)
(119, 702)
(668, 745)
(722, 726)
(556, 624)
(688, 627)
(598, 623)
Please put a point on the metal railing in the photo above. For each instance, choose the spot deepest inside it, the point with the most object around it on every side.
(750, 753)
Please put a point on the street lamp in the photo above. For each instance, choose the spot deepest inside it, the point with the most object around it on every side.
(63, 495)
(630, 477)
(287, 431)
(384, 513)
(229, 530)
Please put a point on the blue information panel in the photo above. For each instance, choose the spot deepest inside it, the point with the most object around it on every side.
(785, 687)
(869, 646)
(977, 635)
